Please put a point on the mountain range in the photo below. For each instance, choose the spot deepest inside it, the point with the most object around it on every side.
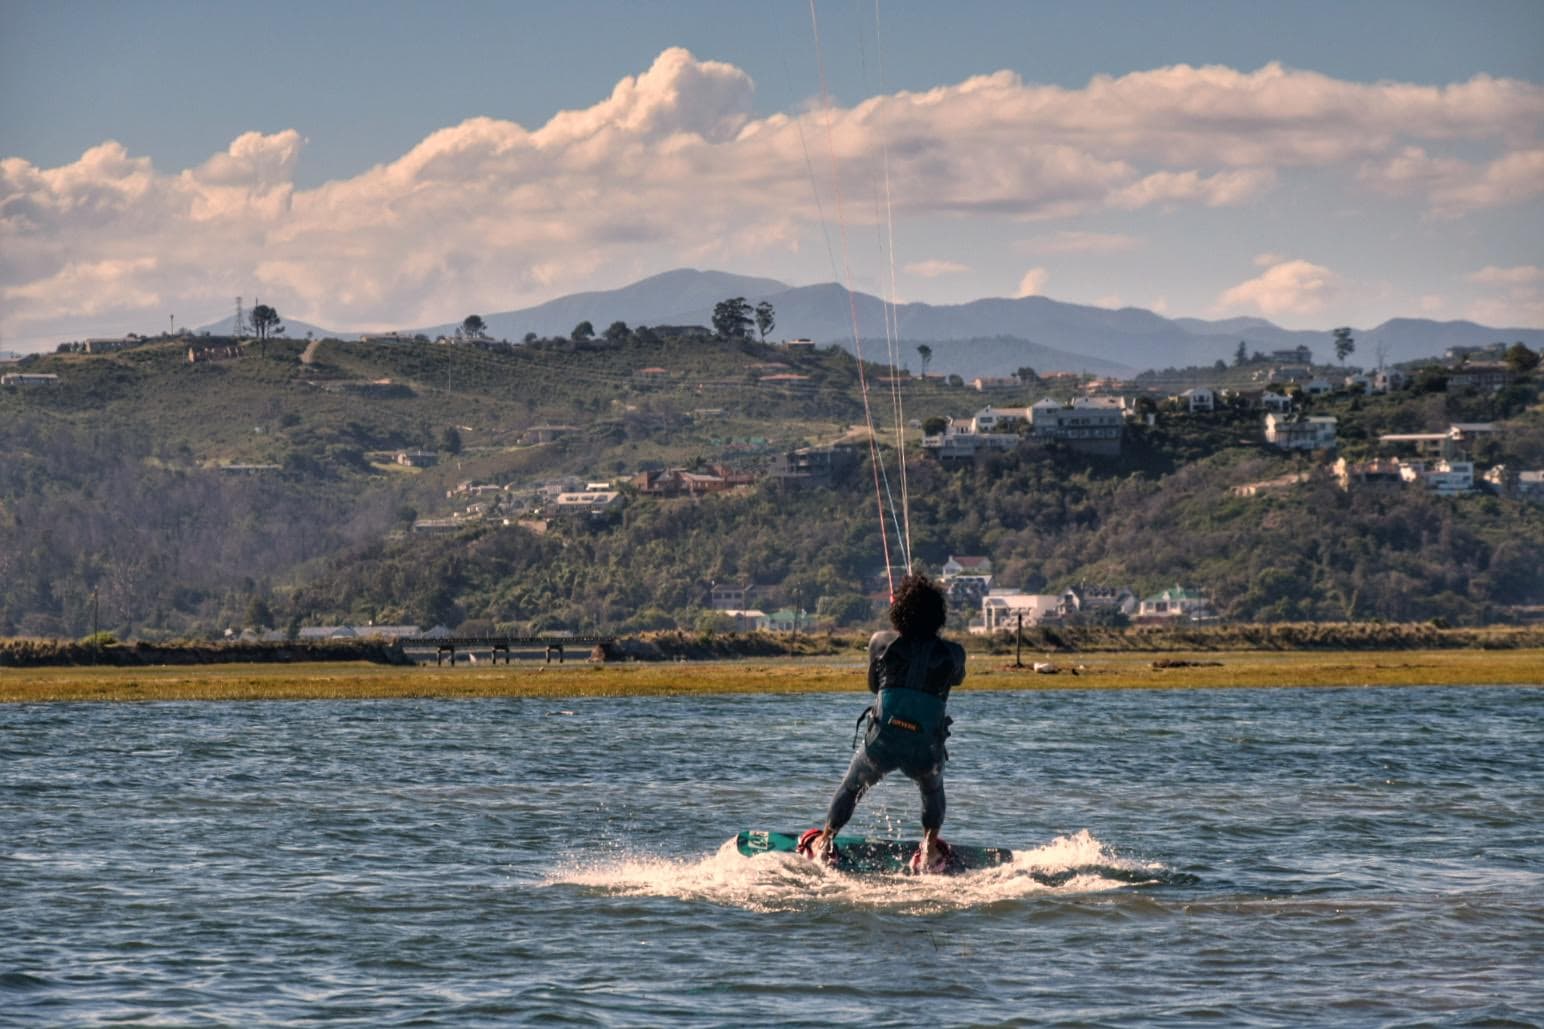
(991, 336)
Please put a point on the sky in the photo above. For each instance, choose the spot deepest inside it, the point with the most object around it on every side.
(391, 164)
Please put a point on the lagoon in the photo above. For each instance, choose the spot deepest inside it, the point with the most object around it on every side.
(1326, 856)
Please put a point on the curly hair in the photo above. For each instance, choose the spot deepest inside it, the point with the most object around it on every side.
(918, 608)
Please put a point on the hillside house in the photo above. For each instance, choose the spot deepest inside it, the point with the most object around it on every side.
(799, 345)
(788, 619)
(1091, 601)
(1387, 380)
(1089, 424)
(1198, 399)
(987, 383)
(1175, 604)
(111, 344)
(1483, 377)
(594, 503)
(746, 619)
(814, 467)
(1000, 609)
(1448, 477)
(965, 592)
(730, 596)
(960, 443)
(965, 564)
(417, 458)
(1380, 471)
(1299, 355)
(679, 482)
(1289, 433)
(1318, 387)
(28, 379)
(992, 419)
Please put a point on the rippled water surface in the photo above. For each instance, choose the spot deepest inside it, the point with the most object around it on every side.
(1266, 857)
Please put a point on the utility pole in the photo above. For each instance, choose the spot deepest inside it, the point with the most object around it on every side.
(1018, 649)
(96, 639)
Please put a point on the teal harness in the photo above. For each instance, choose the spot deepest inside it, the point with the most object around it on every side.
(906, 723)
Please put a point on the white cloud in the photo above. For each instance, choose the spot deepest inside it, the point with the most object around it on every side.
(1453, 187)
(1069, 241)
(934, 268)
(1286, 288)
(1525, 275)
(1033, 283)
(488, 213)
(1513, 296)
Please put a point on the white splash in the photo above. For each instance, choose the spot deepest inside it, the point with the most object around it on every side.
(1078, 863)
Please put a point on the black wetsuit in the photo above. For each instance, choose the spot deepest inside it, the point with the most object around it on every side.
(933, 667)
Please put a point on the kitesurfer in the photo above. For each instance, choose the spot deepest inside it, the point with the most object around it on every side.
(910, 673)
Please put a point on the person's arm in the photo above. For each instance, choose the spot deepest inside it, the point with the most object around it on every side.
(878, 644)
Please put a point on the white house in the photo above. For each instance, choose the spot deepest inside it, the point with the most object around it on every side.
(1000, 609)
(965, 564)
(1445, 476)
(1200, 399)
(1314, 433)
(1317, 387)
(1177, 603)
(590, 502)
(992, 419)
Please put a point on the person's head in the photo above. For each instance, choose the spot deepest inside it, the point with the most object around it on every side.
(918, 608)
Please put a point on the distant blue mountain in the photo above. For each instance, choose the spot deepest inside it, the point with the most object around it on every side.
(993, 336)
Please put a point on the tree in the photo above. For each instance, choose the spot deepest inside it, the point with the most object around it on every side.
(1520, 359)
(1345, 346)
(265, 322)
(530, 337)
(926, 353)
(473, 327)
(935, 425)
(1026, 375)
(1241, 355)
(582, 332)
(732, 318)
(450, 440)
(764, 319)
(617, 332)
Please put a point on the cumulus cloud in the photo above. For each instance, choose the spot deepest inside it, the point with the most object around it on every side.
(934, 268)
(1452, 186)
(673, 161)
(1286, 288)
(1033, 283)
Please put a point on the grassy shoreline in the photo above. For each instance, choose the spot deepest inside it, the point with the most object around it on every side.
(1210, 669)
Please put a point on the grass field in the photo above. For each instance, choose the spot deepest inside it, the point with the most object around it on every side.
(1212, 669)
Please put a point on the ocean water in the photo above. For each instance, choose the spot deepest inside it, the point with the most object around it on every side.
(1227, 857)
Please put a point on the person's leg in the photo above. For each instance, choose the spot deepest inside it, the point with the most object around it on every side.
(862, 773)
(931, 782)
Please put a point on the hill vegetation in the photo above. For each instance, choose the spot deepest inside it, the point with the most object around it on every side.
(153, 496)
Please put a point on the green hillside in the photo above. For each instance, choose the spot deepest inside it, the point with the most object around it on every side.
(120, 507)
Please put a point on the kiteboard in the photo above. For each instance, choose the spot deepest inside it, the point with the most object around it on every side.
(859, 855)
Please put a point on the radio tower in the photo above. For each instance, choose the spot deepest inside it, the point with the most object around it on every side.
(240, 328)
